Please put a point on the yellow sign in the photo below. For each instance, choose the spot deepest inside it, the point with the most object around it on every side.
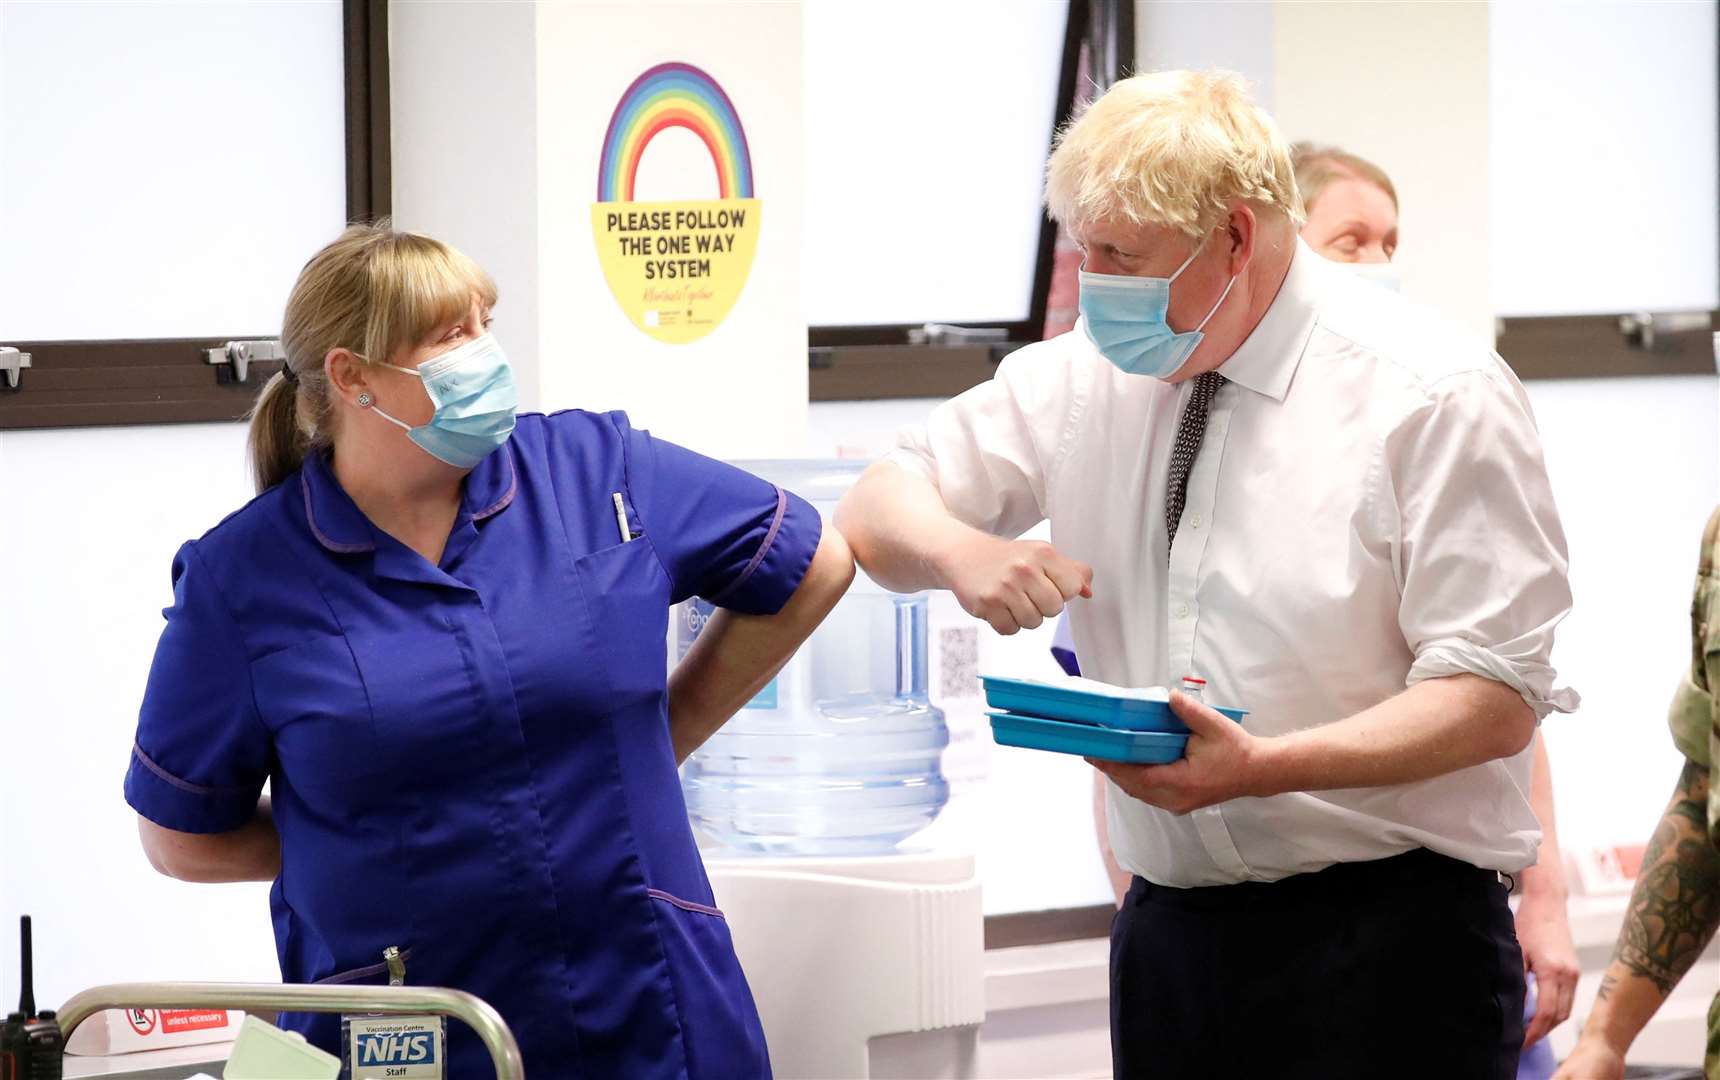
(676, 268)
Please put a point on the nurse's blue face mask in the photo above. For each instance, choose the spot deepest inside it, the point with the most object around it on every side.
(1125, 319)
(472, 387)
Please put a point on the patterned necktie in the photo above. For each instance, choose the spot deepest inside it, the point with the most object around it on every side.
(1189, 433)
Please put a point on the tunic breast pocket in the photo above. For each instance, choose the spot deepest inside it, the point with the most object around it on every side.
(313, 699)
(627, 596)
(429, 719)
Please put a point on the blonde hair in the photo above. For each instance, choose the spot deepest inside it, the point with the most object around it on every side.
(1172, 148)
(374, 291)
(1317, 166)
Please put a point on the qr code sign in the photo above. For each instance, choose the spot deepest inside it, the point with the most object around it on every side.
(958, 662)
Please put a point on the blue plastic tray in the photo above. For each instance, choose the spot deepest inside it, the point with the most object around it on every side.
(1087, 740)
(1086, 707)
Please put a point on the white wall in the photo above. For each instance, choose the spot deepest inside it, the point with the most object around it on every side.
(1404, 85)
(89, 522)
(740, 392)
(465, 153)
(1634, 154)
(1636, 473)
(500, 112)
(1234, 35)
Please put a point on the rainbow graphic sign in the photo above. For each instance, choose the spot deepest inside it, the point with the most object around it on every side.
(676, 268)
(674, 95)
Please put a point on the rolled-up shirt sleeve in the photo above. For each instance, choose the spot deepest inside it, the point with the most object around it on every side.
(202, 752)
(990, 452)
(1481, 555)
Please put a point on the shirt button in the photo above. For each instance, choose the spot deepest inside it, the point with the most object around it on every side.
(1195, 521)
(1182, 611)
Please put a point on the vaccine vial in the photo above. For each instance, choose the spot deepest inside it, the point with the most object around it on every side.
(1193, 687)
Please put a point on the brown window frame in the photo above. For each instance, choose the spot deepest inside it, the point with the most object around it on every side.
(1609, 346)
(169, 380)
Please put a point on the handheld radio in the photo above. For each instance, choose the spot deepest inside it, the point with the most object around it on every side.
(31, 1046)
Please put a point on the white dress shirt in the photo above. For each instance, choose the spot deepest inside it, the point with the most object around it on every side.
(1369, 508)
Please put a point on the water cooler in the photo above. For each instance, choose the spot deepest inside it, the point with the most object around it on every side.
(866, 959)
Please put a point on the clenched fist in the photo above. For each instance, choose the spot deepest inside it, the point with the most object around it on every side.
(1016, 584)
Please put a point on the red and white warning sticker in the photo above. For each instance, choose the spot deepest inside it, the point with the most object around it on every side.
(174, 1021)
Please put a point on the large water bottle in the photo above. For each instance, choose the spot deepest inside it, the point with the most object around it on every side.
(840, 754)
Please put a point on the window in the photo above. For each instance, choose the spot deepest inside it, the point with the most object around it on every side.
(923, 190)
(967, 124)
(1604, 181)
(219, 148)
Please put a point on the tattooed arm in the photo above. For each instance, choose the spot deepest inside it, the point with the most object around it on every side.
(1672, 916)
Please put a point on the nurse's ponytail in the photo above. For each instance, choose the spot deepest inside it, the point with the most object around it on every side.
(373, 291)
(277, 445)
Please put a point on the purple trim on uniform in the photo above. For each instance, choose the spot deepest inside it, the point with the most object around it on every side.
(324, 540)
(684, 905)
(507, 497)
(182, 785)
(763, 549)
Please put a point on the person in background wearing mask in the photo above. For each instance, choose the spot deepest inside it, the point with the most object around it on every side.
(1352, 210)
(438, 633)
(1675, 907)
(1330, 504)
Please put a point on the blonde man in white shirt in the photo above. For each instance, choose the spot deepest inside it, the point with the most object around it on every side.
(1331, 505)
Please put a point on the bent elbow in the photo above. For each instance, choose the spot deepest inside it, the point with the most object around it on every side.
(1496, 721)
(162, 862)
(832, 570)
(856, 512)
(843, 569)
(166, 857)
(850, 519)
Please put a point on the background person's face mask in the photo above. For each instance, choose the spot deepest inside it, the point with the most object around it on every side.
(1125, 319)
(1383, 274)
(472, 387)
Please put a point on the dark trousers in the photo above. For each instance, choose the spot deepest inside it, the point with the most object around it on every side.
(1407, 967)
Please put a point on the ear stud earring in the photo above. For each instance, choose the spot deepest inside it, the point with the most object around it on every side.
(365, 401)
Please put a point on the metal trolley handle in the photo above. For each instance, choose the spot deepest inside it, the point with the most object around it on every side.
(387, 1000)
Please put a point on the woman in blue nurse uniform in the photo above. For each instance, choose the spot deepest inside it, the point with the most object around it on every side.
(438, 633)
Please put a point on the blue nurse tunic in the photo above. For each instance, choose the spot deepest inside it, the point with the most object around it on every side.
(471, 761)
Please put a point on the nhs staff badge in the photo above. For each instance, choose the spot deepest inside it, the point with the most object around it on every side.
(394, 1047)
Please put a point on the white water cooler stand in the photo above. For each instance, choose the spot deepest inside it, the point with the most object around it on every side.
(863, 968)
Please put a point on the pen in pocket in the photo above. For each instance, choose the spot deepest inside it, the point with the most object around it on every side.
(621, 518)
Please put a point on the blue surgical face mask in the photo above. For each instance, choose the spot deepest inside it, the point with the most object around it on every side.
(1383, 274)
(472, 387)
(1125, 319)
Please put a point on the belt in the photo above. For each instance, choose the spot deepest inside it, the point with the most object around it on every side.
(1413, 871)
